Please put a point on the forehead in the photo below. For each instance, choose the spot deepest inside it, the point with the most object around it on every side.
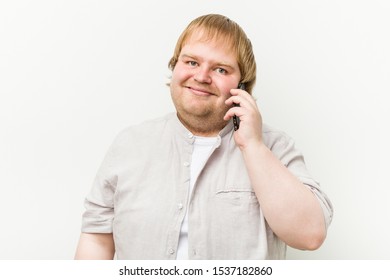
(216, 45)
(209, 36)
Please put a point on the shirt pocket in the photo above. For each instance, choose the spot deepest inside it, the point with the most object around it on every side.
(237, 195)
(237, 213)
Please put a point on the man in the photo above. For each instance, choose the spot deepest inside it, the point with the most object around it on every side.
(189, 185)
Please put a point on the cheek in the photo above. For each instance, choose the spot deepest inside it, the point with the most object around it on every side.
(225, 88)
(179, 75)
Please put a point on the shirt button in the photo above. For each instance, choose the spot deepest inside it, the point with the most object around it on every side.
(171, 251)
(180, 206)
(190, 135)
(186, 164)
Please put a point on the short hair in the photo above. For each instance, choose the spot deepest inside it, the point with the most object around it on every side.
(215, 26)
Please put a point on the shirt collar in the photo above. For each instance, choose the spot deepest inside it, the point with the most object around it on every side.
(184, 132)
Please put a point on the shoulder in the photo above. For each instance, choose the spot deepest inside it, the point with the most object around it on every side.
(273, 136)
(146, 128)
(144, 133)
(281, 145)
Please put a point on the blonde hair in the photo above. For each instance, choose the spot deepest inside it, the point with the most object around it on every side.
(216, 26)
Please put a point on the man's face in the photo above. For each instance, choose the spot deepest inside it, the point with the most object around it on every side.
(201, 81)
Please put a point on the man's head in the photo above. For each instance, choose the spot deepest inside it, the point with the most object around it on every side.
(212, 56)
(214, 26)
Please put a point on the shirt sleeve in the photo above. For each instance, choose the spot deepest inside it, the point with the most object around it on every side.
(284, 149)
(99, 203)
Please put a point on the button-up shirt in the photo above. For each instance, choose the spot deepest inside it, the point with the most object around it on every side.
(141, 194)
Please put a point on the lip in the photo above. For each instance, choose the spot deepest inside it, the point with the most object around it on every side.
(199, 91)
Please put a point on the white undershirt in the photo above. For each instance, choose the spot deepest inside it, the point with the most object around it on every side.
(202, 149)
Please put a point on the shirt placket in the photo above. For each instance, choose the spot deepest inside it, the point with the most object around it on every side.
(182, 189)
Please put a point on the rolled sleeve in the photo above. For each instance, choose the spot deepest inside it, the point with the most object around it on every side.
(99, 203)
(284, 148)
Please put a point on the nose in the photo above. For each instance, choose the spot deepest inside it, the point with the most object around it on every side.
(202, 75)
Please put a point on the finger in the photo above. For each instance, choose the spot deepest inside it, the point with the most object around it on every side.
(234, 111)
(243, 94)
(241, 101)
(233, 100)
(237, 91)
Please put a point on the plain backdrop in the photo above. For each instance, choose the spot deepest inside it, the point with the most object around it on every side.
(73, 74)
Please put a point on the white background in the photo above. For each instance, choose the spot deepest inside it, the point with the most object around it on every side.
(75, 73)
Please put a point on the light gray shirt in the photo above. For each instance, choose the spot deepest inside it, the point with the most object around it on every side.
(141, 190)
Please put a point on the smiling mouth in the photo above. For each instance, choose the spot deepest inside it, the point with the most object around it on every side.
(200, 91)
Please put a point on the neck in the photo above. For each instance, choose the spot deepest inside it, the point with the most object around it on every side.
(204, 127)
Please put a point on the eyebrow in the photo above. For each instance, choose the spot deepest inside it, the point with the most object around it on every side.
(222, 64)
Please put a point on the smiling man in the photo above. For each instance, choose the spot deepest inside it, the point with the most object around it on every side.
(188, 185)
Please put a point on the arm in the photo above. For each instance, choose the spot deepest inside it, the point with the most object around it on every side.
(95, 246)
(290, 208)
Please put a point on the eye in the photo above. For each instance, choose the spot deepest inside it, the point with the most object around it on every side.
(221, 70)
(192, 63)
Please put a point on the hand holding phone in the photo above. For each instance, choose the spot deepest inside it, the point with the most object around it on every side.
(236, 120)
